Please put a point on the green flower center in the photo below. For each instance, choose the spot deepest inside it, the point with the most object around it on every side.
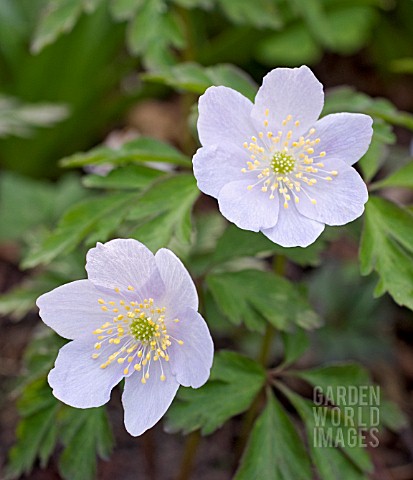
(282, 163)
(143, 329)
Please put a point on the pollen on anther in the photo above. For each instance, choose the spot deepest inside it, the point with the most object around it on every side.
(130, 288)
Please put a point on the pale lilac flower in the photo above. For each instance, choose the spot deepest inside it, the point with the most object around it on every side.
(134, 318)
(273, 166)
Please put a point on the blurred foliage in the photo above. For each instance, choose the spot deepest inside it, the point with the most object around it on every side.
(45, 422)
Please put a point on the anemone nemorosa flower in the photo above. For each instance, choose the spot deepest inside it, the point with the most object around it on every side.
(134, 318)
(273, 166)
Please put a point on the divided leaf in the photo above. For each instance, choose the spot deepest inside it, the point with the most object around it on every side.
(102, 214)
(234, 383)
(236, 243)
(387, 248)
(254, 297)
(274, 451)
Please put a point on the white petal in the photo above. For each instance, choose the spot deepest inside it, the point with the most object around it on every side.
(145, 404)
(340, 200)
(122, 263)
(344, 136)
(180, 291)
(73, 310)
(293, 229)
(224, 117)
(289, 91)
(248, 209)
(77, 378)
(192, 361)
(215, 166)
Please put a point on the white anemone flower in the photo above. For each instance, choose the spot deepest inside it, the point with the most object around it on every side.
(135, 317)
(273, 166)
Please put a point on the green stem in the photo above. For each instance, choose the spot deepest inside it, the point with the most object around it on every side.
(188, 457)
(279, 264)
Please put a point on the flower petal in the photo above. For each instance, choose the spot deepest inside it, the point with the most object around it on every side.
(145, 404)
(121, 263)
(345, 136)
(293, 229)
(340, 200)
(289, 91)
(192, 361)
(215, 166)
(224, 117)
(248, 209)
(77, 378)
(180, 291)
(72, 310)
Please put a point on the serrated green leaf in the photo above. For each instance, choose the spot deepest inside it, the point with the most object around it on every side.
(387, 248)
(195, 78)
(254, 297)
(142, 149)
(165, 210)
(235, 381)
(274, 450)
(59, 17)
(236, 243)
(153, 32)
(400, 178)
(85, 434)
(348, 463)
(78, 222)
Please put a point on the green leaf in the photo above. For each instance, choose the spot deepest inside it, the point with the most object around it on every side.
(235, 381)
(314, 15)
(165, 210)
(375, 156)
(142, 149)
(59, 17)
(19, 119)
(346, 99)
(348, 463)
(130, 177)
(195, 78)
(20, 300)
(263, 15)
(350, 27)
(341, 374)
(153, 32)
(18, 194)
(400, 178)
(78, 222)
(291, 47)
(125, 9)
(254, 297)
(36, 432)
(85, 434)
(387, 248)
(236, 243)
(295, 345)
(274, 451)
